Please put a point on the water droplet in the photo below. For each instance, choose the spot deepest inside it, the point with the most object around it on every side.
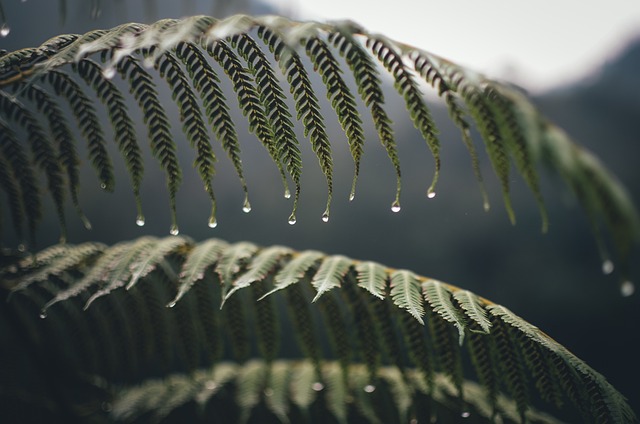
(246, 208)
(431, 194)
(103, 186)
(369, 388)
(171, 304)
(325, 217)
(148, 62)
(210, 385)
(465, 414)
(109, 72)
(352, 196)
(213, 223)
(43, 314)
(627, 288)
(292, 219)
(4, 30)
(317, 386)
(174, 231)
(287, 194)
(140, 221)
(395, 206)
(22, 247)
(607, 267)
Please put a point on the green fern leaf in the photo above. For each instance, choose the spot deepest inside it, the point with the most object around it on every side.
(277, 392)
(159, 133)
(88, 123)
(405, 84)
(10, 185)
(43, 153)
(57, 260)
(124, 132)
(248, 99)
(192, 125)
(473, 308)
(16, 160)
(373, 278)
(370, 90)
(201, 257)
(119, 275)
(306, 103)
(64, 139)
(155, 256)
(303, 386)
(261, 265)
(206, 82)
(422, 63)
(406, 293)
(439, 298)
(295, 270)
(231, 262)
(273, 101)
(336, 392)
(251, 383)
(329, 275)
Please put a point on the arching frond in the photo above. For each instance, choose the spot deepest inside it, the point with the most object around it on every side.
(512, 130)
(508, 354)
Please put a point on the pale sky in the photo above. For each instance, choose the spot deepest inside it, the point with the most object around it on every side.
(536, 43)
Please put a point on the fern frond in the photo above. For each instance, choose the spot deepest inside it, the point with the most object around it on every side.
(206, 82)
(373, 278)
(370, 90)
(16, 160)
(159, 133)
(88, 122)
(125, 135)
(248, 99)
(192, 125)
(306, 103)
(509, 355)
(64, 139)
(273, 101)
(329, 275)
(201, 257)
(512, 130)
(405, 84)
(42, 150)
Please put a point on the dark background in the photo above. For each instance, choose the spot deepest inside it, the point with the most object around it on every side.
(552, 280)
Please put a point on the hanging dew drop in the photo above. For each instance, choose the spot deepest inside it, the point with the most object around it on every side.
(213, 223)
(352, 196)
(246, 208)
(369, 388)
(317, 386)
(140, 221)
(109, 72)
(292, 220)
(607, 267)
(325, 217)
(22, 247)
(465, 414)
(287, 194)
(395, 207)
(627, 288)
(4, 30)
(171, 304)
(43, 314)
(431, 194)
(103, 186)
(174, 231)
